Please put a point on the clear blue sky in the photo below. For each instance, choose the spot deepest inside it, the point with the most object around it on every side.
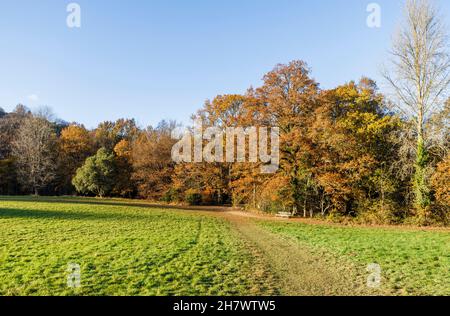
(161, 59)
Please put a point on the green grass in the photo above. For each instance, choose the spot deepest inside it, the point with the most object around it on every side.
(122, 248)
(413, 262)
(126, 248)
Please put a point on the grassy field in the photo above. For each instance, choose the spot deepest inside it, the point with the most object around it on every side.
(122, 250)
(126, 248)
(412, 262)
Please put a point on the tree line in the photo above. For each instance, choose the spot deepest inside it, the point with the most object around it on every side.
(347, 153)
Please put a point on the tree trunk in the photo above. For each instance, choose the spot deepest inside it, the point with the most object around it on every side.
(254, 195)
(304, 209)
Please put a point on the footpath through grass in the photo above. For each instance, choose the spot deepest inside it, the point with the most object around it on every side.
(121, 249)
(413, 262)
(126, 248)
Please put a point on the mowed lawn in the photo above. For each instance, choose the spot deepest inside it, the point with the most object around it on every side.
(122, 249)
(412, 261)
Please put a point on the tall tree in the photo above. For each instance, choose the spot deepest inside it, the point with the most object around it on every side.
(352, 148)
(290, 97)
(75, 145)
(124, 186)
(225, 111)
(152, 162)
(109, 134)
(9, 125)
(420, 78)
(34, 150)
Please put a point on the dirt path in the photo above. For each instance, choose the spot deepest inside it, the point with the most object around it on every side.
(297, 270)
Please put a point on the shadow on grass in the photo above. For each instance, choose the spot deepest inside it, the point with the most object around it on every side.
(58, 215)
(93, 201)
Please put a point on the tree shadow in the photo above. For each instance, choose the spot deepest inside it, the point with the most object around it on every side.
(92, 201)
(59, 215)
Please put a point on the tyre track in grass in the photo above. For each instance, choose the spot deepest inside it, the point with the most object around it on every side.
(287, 266)
(297, 270)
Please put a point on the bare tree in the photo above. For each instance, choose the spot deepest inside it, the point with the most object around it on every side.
(439, 131)
(45, 112)
(9, 126)
(34, 150)
(420, 78)
(421, 64)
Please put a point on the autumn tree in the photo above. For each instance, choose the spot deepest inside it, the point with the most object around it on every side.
(290, 97)
(124, 185)
(420, 78)
(343, 151)
(75, 145)
(109, 134)
(223, 113)
(152, 162)
(352, 148)
(227, 180)
(441, 183)
(34, 152)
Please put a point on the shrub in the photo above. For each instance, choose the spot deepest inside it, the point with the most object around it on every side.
(378, 213)
(193, 197)
(440, 181)
(171, 195)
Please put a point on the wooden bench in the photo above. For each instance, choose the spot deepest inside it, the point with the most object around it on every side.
(284, 215)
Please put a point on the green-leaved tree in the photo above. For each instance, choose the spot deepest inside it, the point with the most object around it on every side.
(97, 175)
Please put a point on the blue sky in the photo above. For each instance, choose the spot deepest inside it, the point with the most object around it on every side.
(161, 59)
